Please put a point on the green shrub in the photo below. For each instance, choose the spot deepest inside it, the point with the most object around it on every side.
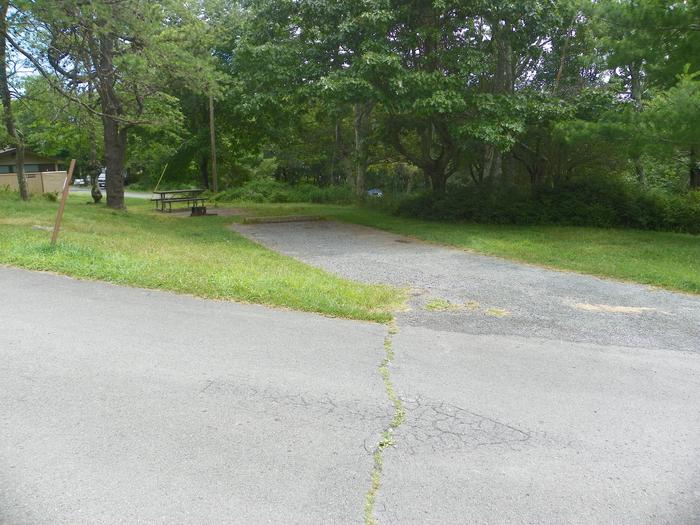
(597, 202)
(325, 195)
(270, 190)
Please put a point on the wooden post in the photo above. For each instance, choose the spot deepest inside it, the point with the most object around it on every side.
(212, 136)
(62, 205)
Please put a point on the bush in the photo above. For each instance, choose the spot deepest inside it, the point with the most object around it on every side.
(324, 195)
(270, 190)
(594, 202)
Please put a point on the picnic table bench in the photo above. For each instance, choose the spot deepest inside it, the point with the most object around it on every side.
(193, 199)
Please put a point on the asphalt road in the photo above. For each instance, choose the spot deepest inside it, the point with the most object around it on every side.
(121, 405)
(545, 397)
(539, 397)
(128, 194)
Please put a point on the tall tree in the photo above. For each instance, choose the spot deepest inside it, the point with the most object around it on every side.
(8, 115)
(129, 51)
(675, 114)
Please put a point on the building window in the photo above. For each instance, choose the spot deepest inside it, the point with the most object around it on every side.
(31, 168)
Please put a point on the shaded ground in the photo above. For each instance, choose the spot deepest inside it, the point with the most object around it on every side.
(211, 210)
(531, 396)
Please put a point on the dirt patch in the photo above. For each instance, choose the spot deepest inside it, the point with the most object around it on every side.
(497, 312)
(613, 309)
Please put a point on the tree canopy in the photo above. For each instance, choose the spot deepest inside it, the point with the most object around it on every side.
(448, 94)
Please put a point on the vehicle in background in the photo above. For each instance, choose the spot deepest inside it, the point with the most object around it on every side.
(79, 182)
(375, 192)
(102, 178)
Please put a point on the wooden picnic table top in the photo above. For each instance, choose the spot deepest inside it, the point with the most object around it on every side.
(193, 192)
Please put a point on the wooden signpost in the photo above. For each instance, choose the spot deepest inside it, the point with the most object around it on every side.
(62, 205)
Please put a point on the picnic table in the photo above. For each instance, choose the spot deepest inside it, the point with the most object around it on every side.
(192, 197)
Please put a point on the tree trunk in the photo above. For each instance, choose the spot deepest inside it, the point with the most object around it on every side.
(7, 107)
(489, 152)
(502, 85)
(115, 157)
(362, 125)
(212, 138)
(21, 178)
(694, 169)
(335, 153)
(93, 167)
(563, 57)
(640, 171)
(204, 170)
(438, 180)
(636, 92)
(114, 130)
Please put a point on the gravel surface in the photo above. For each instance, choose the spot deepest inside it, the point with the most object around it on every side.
(491, 295)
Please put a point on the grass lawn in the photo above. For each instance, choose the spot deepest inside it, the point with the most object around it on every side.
(197, 256)
(668, 260)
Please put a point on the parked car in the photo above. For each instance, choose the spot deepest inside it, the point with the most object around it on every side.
(375, 192)
(102, 178)
(79, 182)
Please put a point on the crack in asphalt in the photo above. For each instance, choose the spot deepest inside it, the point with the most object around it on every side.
(271, 400)
(443, 427)
(387, 438)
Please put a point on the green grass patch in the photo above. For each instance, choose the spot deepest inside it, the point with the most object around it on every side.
(667, 260)
(197, 256)
(442, 305)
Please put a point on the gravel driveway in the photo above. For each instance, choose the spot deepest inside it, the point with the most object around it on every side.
(492, 295)
(531, 395)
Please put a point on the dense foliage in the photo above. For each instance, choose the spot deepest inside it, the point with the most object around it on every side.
(580, 202)
(565, 111)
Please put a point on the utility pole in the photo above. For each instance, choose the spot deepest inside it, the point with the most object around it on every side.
(212, 135)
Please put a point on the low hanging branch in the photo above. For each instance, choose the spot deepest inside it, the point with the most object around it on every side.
(58, 89)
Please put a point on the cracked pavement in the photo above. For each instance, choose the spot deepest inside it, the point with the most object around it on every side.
(541, 397)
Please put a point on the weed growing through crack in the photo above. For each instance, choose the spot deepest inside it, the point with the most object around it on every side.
(387, 438)
(497, 312)
(442, 305)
